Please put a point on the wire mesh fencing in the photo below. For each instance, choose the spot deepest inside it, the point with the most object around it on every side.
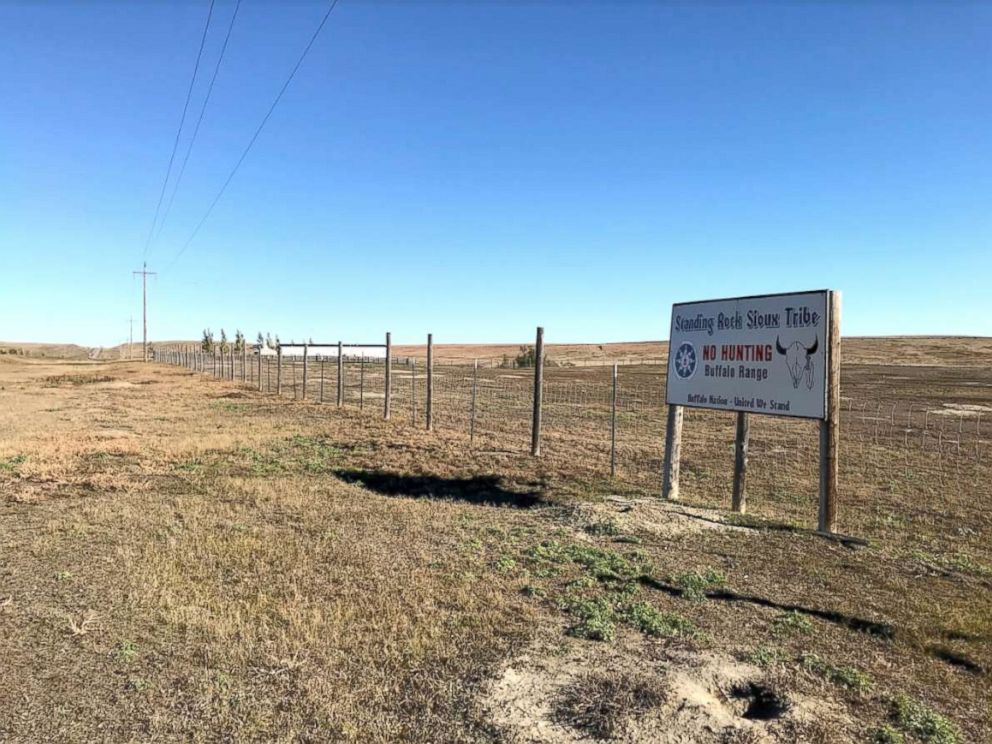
(601, 421)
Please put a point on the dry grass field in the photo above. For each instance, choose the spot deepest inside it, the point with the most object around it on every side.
(182, 558)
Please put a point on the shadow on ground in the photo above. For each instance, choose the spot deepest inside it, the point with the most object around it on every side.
(479, 489)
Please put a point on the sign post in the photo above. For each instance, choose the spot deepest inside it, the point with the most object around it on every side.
(774, 355)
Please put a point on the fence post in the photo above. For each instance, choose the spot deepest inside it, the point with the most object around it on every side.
(739, 503)
(413, 391)
(306, 350)
(361, 383)
(389, 381)
(475, 388)
(830, 427)
(260, 368)
(340, 374)
(613, 425)
(321, 398)
(279, 370)
(430, 382)
(244, 363)
(535, 434)
(231, 352)
(673, 453)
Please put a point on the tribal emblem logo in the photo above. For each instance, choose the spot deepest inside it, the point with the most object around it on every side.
(799, 360)
(685, 361)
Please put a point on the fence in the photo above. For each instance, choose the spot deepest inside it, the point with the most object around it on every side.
(601, 421)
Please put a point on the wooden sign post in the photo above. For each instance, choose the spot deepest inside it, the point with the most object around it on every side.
(775, 355)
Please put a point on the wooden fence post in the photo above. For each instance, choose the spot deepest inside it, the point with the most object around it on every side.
(673, 453)
(613, 425)
(475, 388)
(413, 391)
(340, 374)
(830, 427)
(321, 397)
(244, 363)
(306, 350)
(535, 434)
(260, 368)
(361, 383)
(389, 367)
(279, 370)
(739, 503)
(231, 352)
(430, 382)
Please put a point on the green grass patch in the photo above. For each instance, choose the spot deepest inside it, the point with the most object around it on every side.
(793, 623)
(848, 677)
(695, 584)
(13, 463)
(653, 622)
(925, 724)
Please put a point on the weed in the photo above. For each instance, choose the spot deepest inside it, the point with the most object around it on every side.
(629, 539)
(765, 656)
(694, 584)
(887, 734)
(65, 576)
(793, 623)
(651, 621)
(595, 618)
(136, 684)
(925, 724)
(13, 463)
(126, 651)
(845, 676)
(606, 528)
(505, 564)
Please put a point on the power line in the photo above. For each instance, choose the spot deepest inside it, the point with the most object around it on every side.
(182, 120)
(199, 120)
(254, 137)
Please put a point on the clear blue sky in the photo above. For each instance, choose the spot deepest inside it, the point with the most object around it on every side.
(477, 168)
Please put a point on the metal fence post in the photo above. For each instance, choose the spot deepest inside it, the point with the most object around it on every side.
(535, 435)
(340, 374)
(613, 425)
(430, 382)
(306, 350)
(475, 388)
(389, 368)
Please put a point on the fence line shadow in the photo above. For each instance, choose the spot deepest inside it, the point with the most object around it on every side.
(480, 489)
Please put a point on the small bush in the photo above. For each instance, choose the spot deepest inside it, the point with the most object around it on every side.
(596, 618)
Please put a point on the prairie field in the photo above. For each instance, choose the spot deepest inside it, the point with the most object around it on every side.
(187, 557)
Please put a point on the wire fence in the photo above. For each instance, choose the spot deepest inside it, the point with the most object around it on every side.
(601, 421)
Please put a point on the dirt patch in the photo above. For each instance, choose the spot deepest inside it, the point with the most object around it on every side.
(647, 693)
(653, 516)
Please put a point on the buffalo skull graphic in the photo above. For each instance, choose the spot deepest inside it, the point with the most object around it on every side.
(799, 360)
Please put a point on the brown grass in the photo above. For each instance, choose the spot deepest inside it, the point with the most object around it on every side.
(178, 563)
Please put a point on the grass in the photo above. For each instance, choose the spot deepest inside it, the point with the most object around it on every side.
(265, 599)
(695, 584)
(600, 707)
(924, 724)
(844, 676)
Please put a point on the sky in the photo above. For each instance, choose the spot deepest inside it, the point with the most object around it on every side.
(476, 169)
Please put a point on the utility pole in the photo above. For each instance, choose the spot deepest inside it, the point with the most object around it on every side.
(145, 273)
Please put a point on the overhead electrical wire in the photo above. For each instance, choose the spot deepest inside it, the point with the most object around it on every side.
(199, 120)
(182, 120)
(258, 131)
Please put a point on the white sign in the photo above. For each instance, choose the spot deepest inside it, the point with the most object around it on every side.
(765, 354)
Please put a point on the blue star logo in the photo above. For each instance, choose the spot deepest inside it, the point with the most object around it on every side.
(685, 361)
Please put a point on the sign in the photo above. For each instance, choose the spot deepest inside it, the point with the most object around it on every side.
(765, 354)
